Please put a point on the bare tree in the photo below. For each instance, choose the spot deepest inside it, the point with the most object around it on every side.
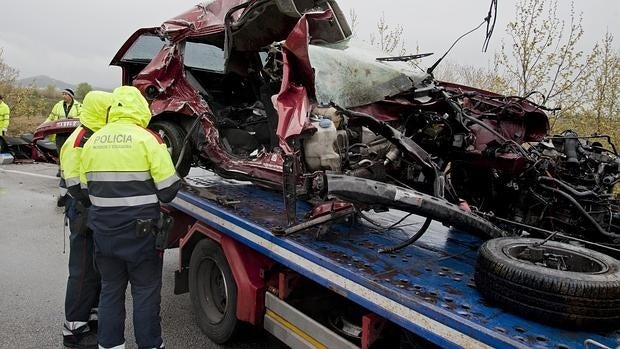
(542, 54)
(8, 74)
(604, 92)
(388, 39)
(353, 21)
(486, 78)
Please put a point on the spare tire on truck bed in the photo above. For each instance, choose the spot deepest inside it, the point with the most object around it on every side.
(554, 282)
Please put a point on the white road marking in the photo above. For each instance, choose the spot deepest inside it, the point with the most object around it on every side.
(29, 174)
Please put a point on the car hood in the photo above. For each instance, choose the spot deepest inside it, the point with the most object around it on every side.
(349, 75)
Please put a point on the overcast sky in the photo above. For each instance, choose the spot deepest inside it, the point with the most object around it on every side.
(74, 40)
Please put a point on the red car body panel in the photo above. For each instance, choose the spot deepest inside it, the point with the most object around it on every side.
(201, 20)
(55, 127)
(176, 95)
(293, 104)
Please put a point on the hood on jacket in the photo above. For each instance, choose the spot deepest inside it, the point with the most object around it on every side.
(95, 109)
(129, 105)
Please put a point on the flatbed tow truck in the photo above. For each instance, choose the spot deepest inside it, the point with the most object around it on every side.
(328, 287)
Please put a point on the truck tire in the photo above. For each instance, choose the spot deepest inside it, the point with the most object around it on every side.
(585, 293)
(213, 291)
(173, 135)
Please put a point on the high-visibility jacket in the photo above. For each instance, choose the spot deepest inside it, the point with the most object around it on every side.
(5, 112)
(58, 111)
(92, 118)
(126, 168)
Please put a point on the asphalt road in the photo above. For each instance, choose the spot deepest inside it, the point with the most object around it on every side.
(33, 271)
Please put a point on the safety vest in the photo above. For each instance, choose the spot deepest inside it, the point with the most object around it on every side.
(58, 111)
(5, 112)
(126, 167)
(94, 110)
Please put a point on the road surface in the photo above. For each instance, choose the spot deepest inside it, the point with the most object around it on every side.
(33, 271)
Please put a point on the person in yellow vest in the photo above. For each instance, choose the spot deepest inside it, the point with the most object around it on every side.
(128, 171)
(68, 107)
(83, 285)
(5, 112)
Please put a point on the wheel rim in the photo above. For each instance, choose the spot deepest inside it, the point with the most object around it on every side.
(344, 326)
(553, 257)
(213, 291)
(166, 139)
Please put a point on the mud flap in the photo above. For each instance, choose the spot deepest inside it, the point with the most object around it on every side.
(378, 195)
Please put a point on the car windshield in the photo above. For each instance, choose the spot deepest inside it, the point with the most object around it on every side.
(349, 75)
(144, 48)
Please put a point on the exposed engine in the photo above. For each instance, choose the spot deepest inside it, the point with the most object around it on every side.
(446, 140)
(562, 183)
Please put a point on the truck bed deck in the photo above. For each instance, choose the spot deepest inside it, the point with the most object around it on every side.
(427, 288)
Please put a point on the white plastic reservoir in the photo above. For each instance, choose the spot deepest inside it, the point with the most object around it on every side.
(319, 149)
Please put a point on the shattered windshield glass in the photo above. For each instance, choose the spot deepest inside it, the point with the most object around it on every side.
(350, 76)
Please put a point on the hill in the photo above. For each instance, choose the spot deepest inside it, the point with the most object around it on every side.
(43, 81)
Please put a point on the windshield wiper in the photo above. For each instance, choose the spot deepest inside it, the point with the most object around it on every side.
(403, 58)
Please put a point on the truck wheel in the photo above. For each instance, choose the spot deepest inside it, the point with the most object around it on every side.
(554, 282)
(213, 291)
(174, 135)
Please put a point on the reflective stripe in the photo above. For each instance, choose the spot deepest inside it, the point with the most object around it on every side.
(122, 346)
(72, 181)
(126, 201)
(83, 186)
(70, 327)
(118, 176)
(167, 182)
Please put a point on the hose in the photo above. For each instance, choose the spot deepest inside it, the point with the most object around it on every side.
(583, 212)
(571, 190)
(415, 237)
(185, 142)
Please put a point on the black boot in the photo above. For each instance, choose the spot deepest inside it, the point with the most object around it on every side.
(62, 200)
(93, 325)
(86, 340)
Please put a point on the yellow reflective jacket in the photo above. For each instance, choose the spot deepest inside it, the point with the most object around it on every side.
(5, 112)
(58, 111)
(126, 167)
(94, 112)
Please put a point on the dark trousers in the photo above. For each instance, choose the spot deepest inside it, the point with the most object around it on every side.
(83, 285)
(122, 257)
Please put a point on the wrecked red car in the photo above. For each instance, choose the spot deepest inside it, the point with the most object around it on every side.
(29, 147)
(240, 86)
(275, 92)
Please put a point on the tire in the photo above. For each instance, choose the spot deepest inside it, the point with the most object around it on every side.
(213, 292)
(586, 295)
(173, 135)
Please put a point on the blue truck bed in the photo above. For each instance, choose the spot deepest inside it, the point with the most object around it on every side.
(427, 288)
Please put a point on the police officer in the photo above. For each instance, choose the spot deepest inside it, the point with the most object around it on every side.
(5, 113)
(128, 170)
(83, 285)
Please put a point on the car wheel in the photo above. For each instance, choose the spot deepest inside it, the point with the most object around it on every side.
(553, 282)
(213, 291)
(174, 135)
